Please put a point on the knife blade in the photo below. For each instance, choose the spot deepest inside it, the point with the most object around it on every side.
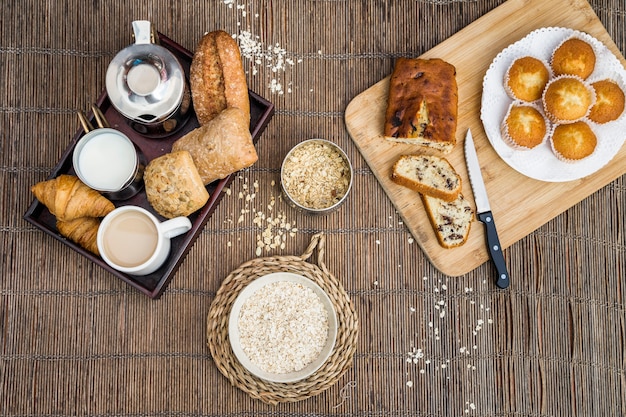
(483, 211)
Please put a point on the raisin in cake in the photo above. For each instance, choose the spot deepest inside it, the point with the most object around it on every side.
(451, 221)
(427, 174)
(422, 105)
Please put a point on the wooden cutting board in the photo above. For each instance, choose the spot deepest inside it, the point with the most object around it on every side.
(519, 204)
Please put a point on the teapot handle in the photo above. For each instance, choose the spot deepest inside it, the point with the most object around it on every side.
(142, 32)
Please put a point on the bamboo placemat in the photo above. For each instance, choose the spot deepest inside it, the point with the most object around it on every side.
(75, 340)
(340, 359)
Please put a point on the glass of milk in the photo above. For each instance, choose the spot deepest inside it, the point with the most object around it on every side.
(106, 160)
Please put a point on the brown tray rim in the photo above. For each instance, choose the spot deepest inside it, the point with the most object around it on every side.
(187, 240)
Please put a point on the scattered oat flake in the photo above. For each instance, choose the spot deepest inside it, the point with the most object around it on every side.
(274, 58)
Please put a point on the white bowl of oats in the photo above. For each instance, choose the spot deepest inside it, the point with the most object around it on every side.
(316, 176)
(282, 327)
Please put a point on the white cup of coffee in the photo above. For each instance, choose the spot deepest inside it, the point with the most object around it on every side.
(131, 240)
(106, 160)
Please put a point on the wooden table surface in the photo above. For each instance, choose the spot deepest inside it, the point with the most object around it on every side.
(77, 340)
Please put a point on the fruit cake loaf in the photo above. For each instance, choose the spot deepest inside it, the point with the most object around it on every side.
(422, 105)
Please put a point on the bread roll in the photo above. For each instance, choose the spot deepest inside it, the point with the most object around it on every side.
(221, 147)
(217, 78)
(173, 186)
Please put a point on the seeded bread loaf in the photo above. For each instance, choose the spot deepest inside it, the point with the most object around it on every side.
(217, 78)
(427, 174)
(451, 221)
(422, 105)
(173, 185)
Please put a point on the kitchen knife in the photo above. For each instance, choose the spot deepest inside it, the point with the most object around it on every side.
(483, 210)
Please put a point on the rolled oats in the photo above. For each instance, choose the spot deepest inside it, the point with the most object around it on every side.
(316, 175)
(283, 327)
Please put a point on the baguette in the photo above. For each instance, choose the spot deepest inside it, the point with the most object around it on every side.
(217, 78)
(427, 174)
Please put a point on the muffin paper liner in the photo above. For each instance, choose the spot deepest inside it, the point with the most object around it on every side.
(540, 162)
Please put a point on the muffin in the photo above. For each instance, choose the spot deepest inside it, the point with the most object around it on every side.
(573, 142)
(573, 57)
(609, 101)
(526, 78)
(524, 126)
(567, 99)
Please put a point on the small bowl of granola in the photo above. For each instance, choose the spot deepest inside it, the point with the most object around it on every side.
(316, 176)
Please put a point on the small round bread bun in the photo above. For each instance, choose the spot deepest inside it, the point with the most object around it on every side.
(609, 101)
(526, 78)
(573, 141)
(567, 99)
(573, 57)
(524, 126)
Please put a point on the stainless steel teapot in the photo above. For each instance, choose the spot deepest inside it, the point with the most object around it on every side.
(147, 85)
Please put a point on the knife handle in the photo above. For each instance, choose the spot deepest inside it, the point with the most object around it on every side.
(495, 250)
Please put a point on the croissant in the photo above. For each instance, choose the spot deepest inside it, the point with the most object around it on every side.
(68, 198)
(83, 231)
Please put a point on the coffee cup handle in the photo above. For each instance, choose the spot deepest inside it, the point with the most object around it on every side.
(174, 227)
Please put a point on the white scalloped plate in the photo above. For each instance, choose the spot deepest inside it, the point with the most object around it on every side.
(540, 163)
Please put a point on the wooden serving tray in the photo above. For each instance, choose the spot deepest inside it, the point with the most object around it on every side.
(519, 204)
(152, 285)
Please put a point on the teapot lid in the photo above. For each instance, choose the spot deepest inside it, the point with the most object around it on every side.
(144, 81)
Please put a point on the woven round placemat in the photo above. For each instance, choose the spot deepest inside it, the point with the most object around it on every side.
(341, 357)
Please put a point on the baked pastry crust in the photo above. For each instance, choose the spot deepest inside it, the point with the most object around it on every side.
(567, 99)
(173, 186)
(83, 231)
(217, 78)
(422, 105)
(524, 126)
(573, 141)
(574, 57)
(526, 78)
(609, 104)
(67, 198)
(221, 147)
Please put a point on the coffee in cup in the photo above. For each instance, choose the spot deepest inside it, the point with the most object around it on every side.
(132, 240)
